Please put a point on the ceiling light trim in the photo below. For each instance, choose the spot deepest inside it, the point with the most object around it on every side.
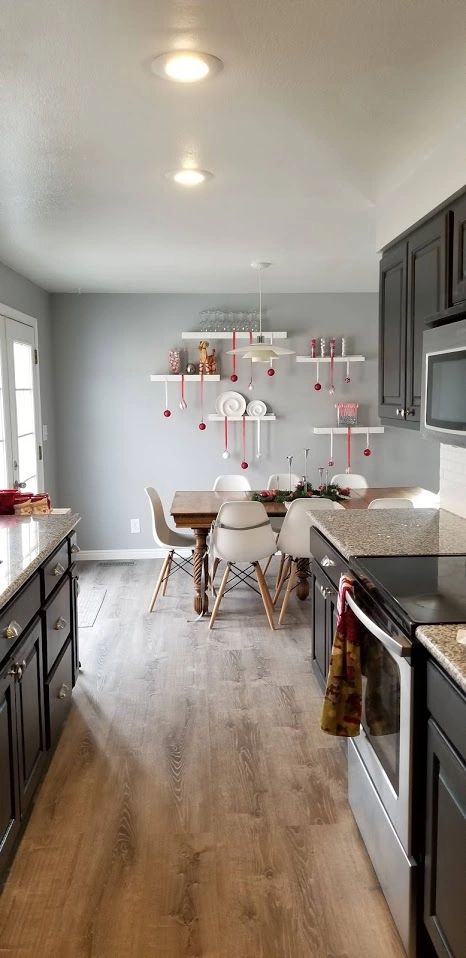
(203, 66)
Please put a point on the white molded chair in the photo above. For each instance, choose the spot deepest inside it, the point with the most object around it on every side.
(294, 543)
(391, 503)
(168, 539)
(350, 480)
(281, 481)
(242, 533)
(231, 484)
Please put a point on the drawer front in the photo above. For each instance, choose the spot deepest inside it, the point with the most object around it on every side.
(55, 568)
(73, 547)
(58, 623)
(58, 695)
(447, 705)
(333, 564)
(15, 619)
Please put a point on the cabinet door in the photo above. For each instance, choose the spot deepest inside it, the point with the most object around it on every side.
(427, 294)
(331, 613)
(9, 787)
(74, 622)
(30, 715)
(459, 251)
(319, 625)
(392, 333)
(445, 853)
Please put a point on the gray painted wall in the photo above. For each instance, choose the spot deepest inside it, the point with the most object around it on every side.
(113, 438)
(19, 293)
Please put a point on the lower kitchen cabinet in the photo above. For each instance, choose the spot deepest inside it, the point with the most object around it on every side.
(445, 840)
(30, 724)
(324, 602)
(9, 771)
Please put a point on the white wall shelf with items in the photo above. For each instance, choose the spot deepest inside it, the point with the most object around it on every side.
(214, 417)
(228, 334)
(342, 430)
(327, 359)
(177, 378)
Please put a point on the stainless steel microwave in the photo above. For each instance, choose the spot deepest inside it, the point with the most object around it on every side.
(443, 413)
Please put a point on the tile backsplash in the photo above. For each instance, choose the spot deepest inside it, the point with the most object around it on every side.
(453, 479)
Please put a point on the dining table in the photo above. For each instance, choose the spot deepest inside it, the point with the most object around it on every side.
(197, 510)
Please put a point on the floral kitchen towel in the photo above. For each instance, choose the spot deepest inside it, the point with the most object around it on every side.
(341, 710)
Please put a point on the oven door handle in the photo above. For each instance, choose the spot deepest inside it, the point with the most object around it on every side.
(400, 647)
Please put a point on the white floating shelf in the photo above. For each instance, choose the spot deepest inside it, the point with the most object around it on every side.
(326, 359)
(342, 430)
(228, 334)
(214, 417)
(156, 378)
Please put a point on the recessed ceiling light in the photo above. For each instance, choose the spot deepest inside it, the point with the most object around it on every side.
(189, 177)
(186, 66)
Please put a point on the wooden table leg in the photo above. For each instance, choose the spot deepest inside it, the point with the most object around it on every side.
(201, 602)
(302, 590)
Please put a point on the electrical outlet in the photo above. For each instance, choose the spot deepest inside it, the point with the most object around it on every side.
(135, 527)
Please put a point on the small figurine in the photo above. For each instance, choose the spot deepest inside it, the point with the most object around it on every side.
(212, 363)
(191, 369)
(203, 357)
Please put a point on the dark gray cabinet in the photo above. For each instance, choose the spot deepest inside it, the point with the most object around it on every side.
(9, 784)
(445, 835)
(30, 724)
(392, 332)
(324, 601)
(459, 251)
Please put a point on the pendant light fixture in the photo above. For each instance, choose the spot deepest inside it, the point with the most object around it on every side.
(260, 351)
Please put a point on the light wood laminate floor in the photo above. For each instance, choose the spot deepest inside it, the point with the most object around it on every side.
(193, 807)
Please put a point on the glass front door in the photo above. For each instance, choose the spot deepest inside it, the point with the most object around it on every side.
(23, 405)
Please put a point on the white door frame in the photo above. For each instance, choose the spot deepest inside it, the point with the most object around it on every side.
(10, 313)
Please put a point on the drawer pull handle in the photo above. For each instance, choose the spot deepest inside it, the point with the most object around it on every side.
(12, 631)
(58, 569)
(327, 561)
(323, 591)
(63, 692)
(75, 548)
(17, 669)
(60, 624)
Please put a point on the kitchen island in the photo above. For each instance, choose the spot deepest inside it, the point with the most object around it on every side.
(39, 658)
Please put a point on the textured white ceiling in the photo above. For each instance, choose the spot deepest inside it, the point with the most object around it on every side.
(322, 107)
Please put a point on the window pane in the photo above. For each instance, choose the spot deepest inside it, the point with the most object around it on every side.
(2, 420)
(26, 457)
(22, 354)
(25, 411)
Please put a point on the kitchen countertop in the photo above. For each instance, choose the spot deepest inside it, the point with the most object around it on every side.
(442, 643)
(373, 532)
(25, 543)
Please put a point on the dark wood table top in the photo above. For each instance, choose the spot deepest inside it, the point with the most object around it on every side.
(197, 510)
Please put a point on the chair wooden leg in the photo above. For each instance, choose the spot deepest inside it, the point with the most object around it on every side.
(158, 584)
(219, 596)
(282, 579)
(214, 571)
(286, 597)
(280, 569)
(167, 573)
(265, 594)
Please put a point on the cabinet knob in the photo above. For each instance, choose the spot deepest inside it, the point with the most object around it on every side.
(60, 624)
(75, 548)
(323, 591)
(17, 669)
(12, 631)
(401, 412)
(327, 561)
(57, 570)
(63, 691)
(410, 412)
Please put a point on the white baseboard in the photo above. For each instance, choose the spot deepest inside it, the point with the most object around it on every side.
(124, 555)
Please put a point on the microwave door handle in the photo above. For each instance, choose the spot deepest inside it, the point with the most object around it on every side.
(400, 647)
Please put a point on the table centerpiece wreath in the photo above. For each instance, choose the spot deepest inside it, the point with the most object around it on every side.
(302, 491)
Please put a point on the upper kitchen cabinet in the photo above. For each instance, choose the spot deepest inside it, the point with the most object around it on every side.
(392, 332)
(459, 251)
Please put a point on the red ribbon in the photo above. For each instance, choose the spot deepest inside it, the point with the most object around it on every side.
(202, 395)
(182, 386)
(348, 448)
(244, 438)
(234, 354)
(250, 337)
(225, 432)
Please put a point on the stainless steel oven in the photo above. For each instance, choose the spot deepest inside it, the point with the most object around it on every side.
(443, 414)
(380, 759)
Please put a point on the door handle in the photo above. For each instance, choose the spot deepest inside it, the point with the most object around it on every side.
(19, 485)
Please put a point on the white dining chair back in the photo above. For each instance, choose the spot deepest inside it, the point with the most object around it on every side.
(391, 503)
(350, 480)
(281, 481)
(169, 540)
(294, 537)
(242, 532)
(233, 483)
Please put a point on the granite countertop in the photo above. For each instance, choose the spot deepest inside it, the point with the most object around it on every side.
(25, 543)
(374, 532)
(443, 643)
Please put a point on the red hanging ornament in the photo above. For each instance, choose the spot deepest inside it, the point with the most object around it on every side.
(202, 424)
(183, 404)
(244, 464)
(367, 451)
(166, 411)
(233, 377)
(317, 384)
(270, 371)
